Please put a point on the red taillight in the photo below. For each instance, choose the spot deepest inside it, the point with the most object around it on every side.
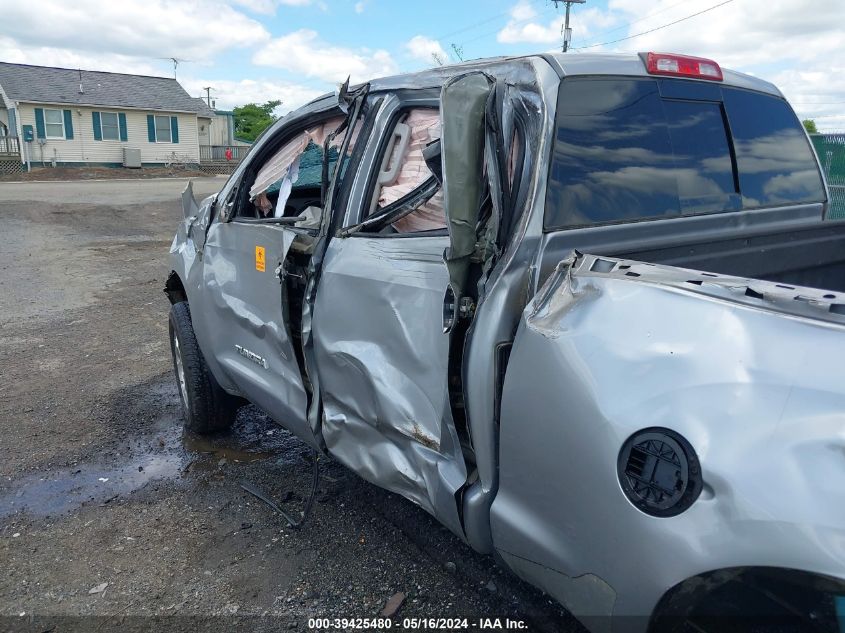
(682, 66)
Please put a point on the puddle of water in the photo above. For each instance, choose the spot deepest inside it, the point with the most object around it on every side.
(200, 444)
(61, 491)
(254, 437)
(168, 453)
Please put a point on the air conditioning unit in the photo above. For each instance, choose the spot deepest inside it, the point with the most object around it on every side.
(131, 157)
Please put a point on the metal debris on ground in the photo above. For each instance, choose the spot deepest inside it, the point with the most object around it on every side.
(293, 523)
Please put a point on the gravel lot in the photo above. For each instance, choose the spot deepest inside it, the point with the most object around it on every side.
(109, 515)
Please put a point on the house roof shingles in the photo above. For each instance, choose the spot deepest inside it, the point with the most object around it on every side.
(44, 84)
(203, 110)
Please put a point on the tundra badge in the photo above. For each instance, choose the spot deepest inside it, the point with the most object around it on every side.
(255, 358)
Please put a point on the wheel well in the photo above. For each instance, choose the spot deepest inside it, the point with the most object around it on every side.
(174, 289)
(725, 596)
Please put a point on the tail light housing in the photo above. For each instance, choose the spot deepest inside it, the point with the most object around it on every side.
(682, 66)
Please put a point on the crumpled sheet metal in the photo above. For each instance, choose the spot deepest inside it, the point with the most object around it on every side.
(757, 391)
(463, 100)
(250, 304)
(382, 361)
(504, 291)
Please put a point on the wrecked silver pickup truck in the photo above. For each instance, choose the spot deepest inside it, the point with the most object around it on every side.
(399, 275)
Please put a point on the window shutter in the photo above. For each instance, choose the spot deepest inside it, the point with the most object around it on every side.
(68, 124)
(121, 122)
(39, 123)
(174, 129)
(151, 128)
(98, 130)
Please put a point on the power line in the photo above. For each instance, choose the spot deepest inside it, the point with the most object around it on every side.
(658, 28)
(642, 19)
(517, 23)
(474, 25)
(481, 23)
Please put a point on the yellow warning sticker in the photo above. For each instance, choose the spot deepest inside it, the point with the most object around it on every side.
(259, 259)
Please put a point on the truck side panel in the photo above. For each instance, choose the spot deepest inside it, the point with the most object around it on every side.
(749, 373)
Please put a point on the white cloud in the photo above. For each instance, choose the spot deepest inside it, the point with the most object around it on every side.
(359, 7)
(797, 45)
(47, 56)
(268, 7)
(740, 34)
(194, 30)
(424, 49)
(229, 94)
(525, 26)
(816, 92)
(303, 52)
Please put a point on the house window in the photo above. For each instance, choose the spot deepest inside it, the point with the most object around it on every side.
(109, 126)
(163, 129)
(54, 123)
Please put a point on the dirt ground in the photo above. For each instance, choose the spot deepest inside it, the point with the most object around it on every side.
(112, 519)
(99, 173)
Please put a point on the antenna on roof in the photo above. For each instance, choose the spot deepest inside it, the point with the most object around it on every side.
(81, 91)
(176, 61)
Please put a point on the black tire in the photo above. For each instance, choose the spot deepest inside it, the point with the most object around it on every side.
(206, 408)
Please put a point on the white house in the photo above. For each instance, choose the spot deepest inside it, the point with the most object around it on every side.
(81, 117)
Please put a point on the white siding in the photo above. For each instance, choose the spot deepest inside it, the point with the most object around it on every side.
(84, 149)
(220, 130)
(204, 131)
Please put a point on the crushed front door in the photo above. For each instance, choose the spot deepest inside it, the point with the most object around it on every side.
(382, 321)
(247, 320)
(380, 348)
(383, 360)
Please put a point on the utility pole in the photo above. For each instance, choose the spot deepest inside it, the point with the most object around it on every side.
(566, 31)
(208, 90)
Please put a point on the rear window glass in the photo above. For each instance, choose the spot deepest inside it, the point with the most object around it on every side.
(623, 152)
(774, 159)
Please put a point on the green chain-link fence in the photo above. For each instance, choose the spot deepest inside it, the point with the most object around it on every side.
(830, 149)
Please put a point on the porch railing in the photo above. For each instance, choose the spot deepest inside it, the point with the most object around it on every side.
(10, 146)
(218, 153)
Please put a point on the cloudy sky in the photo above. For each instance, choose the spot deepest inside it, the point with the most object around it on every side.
(293, 50)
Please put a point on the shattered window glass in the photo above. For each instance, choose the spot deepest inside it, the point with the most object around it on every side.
(290, 180)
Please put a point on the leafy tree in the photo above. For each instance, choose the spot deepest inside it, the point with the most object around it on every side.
(810, 126)
(252, 119)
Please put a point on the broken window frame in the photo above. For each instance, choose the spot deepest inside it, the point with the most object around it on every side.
(362, 223)
(239, 196)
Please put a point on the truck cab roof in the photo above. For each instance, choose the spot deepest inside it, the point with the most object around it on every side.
(565, 65)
